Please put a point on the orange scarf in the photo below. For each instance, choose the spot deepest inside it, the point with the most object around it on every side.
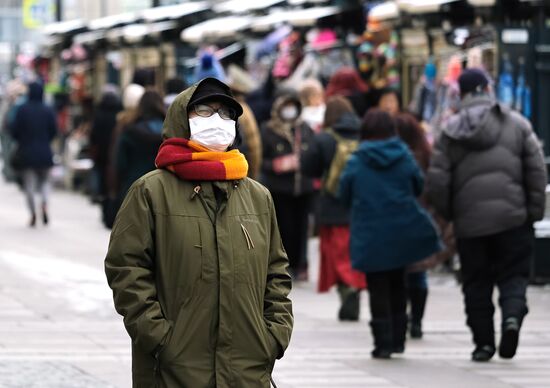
(194, 162)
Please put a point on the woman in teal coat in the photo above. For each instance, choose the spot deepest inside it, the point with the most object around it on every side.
(389, 229)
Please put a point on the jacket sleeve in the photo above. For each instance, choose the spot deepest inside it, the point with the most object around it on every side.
(312, 161)
(52, 125)
(417, 179)
(16, 124)
(345, 190)
(129, 267)
(535, 175)
(277, 305)
(267, 155)
(438, 180)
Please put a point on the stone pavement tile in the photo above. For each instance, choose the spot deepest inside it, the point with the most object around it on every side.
(46, 375)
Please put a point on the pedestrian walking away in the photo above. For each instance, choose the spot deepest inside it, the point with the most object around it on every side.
(196, 262)
(488, 176)
(389, 229)
(325, 158)
(410, 131)
(33, 130)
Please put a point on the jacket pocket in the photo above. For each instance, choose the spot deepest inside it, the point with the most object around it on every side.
(250, 252)
(172, 346)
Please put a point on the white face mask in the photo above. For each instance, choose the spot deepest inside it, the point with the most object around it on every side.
(314, 115)
(213, 132)
(289, 113)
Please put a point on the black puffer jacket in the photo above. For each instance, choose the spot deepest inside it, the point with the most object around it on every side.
(487, 172)
(316, 161)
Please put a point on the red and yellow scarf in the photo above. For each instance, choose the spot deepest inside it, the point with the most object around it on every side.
(194, 162)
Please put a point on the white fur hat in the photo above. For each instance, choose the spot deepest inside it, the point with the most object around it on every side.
(131, 96)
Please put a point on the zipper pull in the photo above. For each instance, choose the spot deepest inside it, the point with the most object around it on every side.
(248, 238)
(196, 191)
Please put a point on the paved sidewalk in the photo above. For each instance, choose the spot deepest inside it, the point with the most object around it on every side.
(58, 328)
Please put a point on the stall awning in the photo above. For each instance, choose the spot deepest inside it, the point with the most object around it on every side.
(174, 11)
(384, 11)
(299, 18)
(113, 21)
(223, 27)
(63, 27)
(240, 6)
(88, 37)
(422, 6)
(300, 2)
(482, 3)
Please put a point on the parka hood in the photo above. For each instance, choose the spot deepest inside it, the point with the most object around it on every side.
(283, 100)
(177, 120)
(36, 92)
(473, 125)
(382, 154)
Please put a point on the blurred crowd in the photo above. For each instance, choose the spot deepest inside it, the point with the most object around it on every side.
(298, 134)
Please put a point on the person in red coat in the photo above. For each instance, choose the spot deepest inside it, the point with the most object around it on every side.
(340, 123)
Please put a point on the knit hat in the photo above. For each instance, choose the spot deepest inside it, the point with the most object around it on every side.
(131, 96)
(209, 66)
(472, 80)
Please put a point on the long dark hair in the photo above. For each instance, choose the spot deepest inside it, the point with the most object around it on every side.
(151, 106)
(377, 125)
(410, 131)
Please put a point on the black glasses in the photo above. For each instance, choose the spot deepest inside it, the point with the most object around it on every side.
(207, 111)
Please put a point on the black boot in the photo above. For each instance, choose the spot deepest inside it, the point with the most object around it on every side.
(509, 337)
(399, 330)
(382, 335)
(32, 222)
(484, 338)
(349, 297)
(45, 218)
(483, 353)
(417, 297)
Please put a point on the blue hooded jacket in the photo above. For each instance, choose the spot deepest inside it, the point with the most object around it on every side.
(389, 229)
(34, 127)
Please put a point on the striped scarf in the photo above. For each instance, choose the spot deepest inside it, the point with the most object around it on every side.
(193, 162)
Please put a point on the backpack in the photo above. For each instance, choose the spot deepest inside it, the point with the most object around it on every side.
(344, 149)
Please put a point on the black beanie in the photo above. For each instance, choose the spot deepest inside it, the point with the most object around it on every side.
(472, 80)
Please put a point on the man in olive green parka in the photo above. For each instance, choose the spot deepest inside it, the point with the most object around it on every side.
(198, 269)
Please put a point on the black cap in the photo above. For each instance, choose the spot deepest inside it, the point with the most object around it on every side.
(211, 89)
(472, 80)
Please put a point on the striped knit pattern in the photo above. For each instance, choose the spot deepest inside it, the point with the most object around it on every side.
(191, 161)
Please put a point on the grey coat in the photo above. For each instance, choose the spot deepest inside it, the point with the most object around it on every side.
(487, 172)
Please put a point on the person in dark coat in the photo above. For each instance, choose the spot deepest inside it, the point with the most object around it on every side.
(34, 128)
(389, 229)
(101, 134)
(488, 176)
(410, 131)
(138, 144)
(283, 139)
(340, 124)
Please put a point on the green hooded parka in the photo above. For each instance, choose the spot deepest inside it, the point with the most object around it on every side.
(199, 273)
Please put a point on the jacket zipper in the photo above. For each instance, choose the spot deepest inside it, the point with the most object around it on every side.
(197, 193)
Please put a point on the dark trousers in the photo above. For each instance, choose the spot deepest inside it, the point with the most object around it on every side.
(388, 308)
(500, 260)
(292, 217)
(387, 293)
